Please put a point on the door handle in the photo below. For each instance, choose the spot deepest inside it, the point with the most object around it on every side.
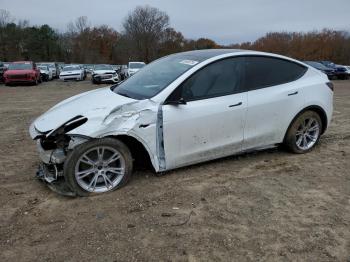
(238, 104)
(293, 94)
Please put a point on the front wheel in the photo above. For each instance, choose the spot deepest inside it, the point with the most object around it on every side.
(98, 166)
(304, 133)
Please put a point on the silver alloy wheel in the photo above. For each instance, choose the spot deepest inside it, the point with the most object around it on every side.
(100, 169)
(307, 133)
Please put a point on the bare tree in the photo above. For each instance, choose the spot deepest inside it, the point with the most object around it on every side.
(144, 28)
(5, 18)
(80, 25)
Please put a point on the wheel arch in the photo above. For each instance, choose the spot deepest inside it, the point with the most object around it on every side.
(140, 152)
(319, 110)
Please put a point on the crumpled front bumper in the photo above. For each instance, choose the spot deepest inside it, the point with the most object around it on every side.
(50, 171)
(54, 179)
(102, 79)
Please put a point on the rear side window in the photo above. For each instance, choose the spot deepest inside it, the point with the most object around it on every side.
(268, 71)
(217, 79)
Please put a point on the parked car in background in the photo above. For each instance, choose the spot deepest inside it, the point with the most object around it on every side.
(134, 67)
(89, 68)
(340, 71)
(330, 72)
(104, 74)
(84, 70)
(348, 70)
(22, 72)
(45, 72)
(117, 68)
(180, 110)
(2, 71)
(123, 72)
(54, 68)
(60, 66)
(72, 72)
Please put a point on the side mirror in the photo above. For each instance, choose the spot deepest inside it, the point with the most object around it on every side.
(181, 101)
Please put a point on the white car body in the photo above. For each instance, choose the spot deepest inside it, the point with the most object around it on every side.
(52, 67)
(46, 71)
(104, 74)
(107, 75)
(133, 70)
(200, 130)
(74, 73)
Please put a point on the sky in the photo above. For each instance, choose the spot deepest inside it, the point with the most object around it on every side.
(224, 21)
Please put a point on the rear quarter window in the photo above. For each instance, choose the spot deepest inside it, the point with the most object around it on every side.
(261, 72)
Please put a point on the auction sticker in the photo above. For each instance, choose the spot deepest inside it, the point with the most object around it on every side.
(189, 62)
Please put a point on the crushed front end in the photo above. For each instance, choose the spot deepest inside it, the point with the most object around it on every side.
(53, 148)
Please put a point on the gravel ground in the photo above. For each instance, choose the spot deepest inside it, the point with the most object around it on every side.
(269, 205)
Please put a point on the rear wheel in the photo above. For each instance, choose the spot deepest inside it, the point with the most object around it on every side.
(98, 166)
(304, 133)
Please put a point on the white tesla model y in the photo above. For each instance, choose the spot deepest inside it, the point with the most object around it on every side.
(180, 110)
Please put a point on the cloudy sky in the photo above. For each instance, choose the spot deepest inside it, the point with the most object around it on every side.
(225, 21)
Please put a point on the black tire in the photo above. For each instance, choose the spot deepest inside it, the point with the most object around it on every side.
(290, 138)
(69, 165)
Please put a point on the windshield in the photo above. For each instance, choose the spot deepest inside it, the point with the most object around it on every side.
(156, 76)
(103, 67)
(70, 68)
(43, 68)
(136, 65)
(20, 66)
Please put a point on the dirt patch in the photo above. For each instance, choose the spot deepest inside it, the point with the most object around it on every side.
(269, 205)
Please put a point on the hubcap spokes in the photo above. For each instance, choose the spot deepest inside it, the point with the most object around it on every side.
(307, 134)
(100, 169)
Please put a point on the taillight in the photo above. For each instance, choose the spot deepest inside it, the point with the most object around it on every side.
(330, 85)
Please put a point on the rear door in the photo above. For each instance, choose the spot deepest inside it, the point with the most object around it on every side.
(275, 95)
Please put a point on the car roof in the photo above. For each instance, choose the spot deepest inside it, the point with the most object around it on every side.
(209, 53)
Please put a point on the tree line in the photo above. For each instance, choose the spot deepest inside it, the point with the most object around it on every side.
(147, 35)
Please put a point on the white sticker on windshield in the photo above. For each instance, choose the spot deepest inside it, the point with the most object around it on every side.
(189, 62)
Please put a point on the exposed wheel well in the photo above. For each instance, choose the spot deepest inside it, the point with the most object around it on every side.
(138, 151)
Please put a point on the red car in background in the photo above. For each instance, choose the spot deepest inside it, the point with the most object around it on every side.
(22, 72)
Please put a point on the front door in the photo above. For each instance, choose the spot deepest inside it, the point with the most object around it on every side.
(211, 123)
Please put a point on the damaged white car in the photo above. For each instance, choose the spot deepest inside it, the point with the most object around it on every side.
(104, 74)
(180, 110)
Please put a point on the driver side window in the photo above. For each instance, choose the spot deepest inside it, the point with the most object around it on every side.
(220, 78)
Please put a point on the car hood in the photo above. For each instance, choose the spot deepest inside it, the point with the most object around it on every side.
(101, 72)
(95, 105)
